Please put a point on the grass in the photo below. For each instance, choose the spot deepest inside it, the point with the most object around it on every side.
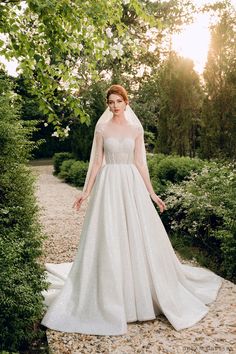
(40, 162)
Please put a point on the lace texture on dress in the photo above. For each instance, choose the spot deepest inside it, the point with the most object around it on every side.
(120, 142)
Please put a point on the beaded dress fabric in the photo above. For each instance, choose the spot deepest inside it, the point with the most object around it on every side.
(125, 269)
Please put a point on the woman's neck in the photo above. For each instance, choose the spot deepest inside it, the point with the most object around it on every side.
(119, 119)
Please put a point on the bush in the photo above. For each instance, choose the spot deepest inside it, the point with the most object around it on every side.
(78, 173)
(21, 277)
(153, 161)
(166, 169)
(202, 210)
(58, 159)
(70, 170)
(175, 169)
(163, 169)
(65, 170)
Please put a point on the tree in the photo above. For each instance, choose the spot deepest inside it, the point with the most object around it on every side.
(66, 44)
(60, 43)
(172, 99)
(151, 41)
(45, 144)
(94, 101)
(218, 137)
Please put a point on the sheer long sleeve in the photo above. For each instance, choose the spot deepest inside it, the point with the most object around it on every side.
(140, 160)
(98, 159)
(99, 151)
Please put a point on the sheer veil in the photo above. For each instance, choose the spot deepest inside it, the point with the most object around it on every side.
(105, 117)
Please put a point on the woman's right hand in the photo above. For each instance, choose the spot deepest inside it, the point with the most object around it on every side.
(79, 200)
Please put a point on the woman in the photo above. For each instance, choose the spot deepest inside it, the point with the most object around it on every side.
(125, 269)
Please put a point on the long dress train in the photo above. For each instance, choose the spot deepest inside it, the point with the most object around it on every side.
(125, 269)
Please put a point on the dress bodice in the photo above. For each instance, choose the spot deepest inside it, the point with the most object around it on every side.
(119, 150)
(118, 142)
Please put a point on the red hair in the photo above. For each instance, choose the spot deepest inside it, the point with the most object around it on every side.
(118, 90)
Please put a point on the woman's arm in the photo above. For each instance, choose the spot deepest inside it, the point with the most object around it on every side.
(98, 159)
(141, 163)
(97, 162)
(142, 167)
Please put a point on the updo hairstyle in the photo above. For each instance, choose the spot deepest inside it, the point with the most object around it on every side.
(118, 90)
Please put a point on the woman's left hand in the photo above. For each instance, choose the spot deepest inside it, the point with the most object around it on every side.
(159, 202)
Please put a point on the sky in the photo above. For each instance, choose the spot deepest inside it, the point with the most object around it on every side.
(11, 66)
(193, 41)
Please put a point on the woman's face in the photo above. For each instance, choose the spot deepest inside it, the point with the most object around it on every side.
(117, 104)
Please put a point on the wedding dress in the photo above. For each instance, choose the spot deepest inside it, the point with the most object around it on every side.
(125, 269)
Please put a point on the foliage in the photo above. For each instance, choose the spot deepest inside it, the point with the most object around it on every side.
(202, 211)
(81, 134)
(63, 47)
(180, 98)
(149, 138)
(21, 277)
(140, 62)
(45, 144)
(218, 137)
(147, 102)
(78, 172)
(60, 43)
(166, 169)
(169, 104)
(58, 159)
(163, 169)
(175, 168)
(71, 170)
(65, 170)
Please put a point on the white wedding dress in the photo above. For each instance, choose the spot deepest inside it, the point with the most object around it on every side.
(125, 269)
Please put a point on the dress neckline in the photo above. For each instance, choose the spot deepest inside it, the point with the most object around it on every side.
(119, 139)
(126, 124)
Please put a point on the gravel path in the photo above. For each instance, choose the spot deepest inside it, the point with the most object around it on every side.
(216, 333)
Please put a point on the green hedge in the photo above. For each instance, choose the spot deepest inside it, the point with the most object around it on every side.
(70, 170)
(165, 169)
(58, 159)
(202, 210)
(65, 170)
(21, 276)
(78, 173)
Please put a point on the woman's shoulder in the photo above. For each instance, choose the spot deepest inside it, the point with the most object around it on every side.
(100, 127)
(139, 130)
